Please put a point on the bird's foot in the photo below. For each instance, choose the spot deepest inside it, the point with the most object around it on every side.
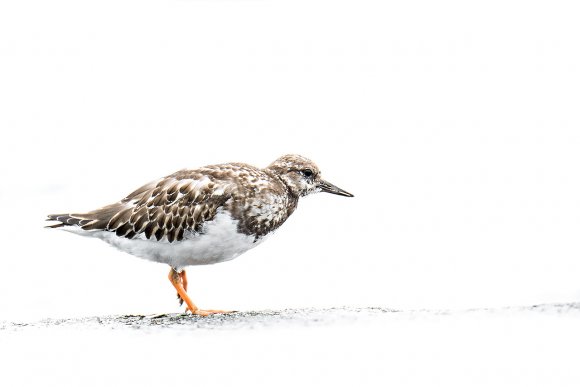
(179, 282)
(202, 312)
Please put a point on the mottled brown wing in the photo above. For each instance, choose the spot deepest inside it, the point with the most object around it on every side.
(168, 208)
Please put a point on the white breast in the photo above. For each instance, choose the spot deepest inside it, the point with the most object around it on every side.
(219, 242)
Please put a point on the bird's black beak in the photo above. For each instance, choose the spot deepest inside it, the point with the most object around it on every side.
(325, 186)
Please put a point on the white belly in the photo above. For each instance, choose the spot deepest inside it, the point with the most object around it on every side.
(220, 242)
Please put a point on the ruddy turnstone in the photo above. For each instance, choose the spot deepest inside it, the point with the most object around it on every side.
(202, 216)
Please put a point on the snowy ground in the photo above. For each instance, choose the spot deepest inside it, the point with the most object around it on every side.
(519, 346)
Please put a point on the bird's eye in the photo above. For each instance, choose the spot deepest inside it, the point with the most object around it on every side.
(307, 172)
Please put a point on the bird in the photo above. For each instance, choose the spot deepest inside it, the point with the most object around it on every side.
(202, 216)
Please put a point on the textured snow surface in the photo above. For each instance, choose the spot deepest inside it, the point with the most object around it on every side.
(515, 346)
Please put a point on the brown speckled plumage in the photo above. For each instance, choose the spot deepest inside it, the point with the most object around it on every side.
(178, 204)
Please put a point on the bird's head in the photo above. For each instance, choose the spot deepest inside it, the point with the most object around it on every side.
(302, 176)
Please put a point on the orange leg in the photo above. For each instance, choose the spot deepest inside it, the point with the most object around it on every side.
(179, 282)
(183, 279)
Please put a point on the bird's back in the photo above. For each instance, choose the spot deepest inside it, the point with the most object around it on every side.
(179, 205)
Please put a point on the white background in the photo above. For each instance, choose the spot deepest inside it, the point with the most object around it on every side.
(454, 123)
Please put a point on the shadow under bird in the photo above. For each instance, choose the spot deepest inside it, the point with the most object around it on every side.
(202, 216)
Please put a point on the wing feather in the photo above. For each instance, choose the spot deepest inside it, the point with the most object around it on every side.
(167, 208)
(170, 208)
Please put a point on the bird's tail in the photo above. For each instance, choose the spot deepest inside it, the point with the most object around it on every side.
(94, 220)
(64, 220)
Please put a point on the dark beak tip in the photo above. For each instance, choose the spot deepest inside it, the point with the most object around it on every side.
(341, 193)
(331, 188)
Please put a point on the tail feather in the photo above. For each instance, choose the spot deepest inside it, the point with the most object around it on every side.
(80, 220)
(64, 219)
(95, 220)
